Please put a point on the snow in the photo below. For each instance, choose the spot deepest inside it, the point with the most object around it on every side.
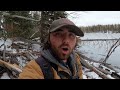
(36, 47)
(8, 43)
(5, 76)
(92, 75)
(84, 76)
(96, 64)
(110, 77)
(101, 35)
(22, 62)
(13, 51)
(19, 42)
(98, 50)
(118, 73)
(88, 74)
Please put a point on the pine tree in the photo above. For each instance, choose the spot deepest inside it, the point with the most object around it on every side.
(17, 27)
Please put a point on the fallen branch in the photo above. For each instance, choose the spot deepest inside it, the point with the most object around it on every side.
(101, 74)
(14, 69)
(26, 40)
(111, 50)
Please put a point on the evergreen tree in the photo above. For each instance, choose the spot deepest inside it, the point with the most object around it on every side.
(17, 27)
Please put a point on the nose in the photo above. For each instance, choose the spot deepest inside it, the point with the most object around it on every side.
(66, 39)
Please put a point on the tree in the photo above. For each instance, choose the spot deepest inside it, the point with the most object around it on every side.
(17, 27)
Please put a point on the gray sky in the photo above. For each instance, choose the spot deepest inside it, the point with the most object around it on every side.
(88, 18)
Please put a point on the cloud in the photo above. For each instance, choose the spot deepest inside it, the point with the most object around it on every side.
(89, 18)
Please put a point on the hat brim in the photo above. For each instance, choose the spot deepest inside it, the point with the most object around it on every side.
(73, 29)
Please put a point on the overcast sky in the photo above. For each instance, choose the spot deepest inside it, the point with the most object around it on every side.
(88, 18)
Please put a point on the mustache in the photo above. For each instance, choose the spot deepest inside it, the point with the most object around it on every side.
(65, 46)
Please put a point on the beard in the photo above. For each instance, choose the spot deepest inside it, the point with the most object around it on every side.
(63, 51)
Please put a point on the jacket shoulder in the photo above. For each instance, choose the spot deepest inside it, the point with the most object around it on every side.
(78, 60)
(31, 71)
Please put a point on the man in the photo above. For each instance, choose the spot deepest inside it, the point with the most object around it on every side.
(59, 52)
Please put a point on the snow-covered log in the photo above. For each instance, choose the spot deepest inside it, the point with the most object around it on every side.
(101, 74)
(13, 68)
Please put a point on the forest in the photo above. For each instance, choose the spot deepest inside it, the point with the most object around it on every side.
(110, 28)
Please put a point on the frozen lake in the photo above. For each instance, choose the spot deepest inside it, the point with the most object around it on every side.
(98, 50)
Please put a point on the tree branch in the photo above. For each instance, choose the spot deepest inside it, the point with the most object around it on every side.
(16, 16)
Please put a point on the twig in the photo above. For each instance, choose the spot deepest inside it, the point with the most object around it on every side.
(34, 34)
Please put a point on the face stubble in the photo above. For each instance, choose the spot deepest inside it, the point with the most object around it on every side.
(61, 49)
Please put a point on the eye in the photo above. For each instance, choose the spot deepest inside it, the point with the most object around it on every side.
(72, 35)
(57, 34)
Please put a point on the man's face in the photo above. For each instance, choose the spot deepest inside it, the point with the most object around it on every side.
(62, 42)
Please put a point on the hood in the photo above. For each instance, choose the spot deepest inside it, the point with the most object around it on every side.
(49, 56)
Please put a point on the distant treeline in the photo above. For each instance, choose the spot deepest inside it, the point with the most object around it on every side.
(114, 28)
